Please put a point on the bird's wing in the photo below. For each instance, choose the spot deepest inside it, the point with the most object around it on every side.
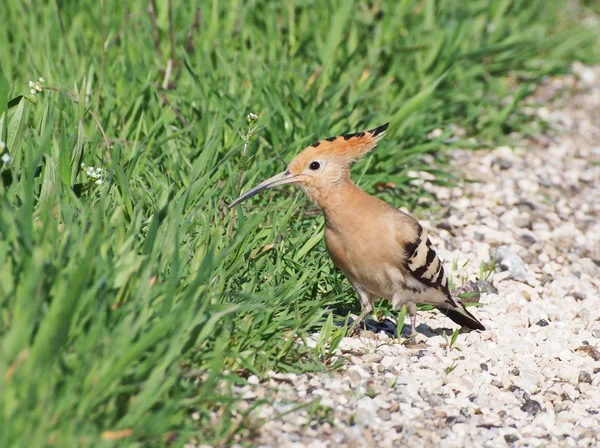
(420, 258)
(422, 262)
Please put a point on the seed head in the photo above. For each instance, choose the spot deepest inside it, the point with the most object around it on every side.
(252, 118)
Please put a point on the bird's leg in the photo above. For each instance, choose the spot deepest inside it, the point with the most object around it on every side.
(361, 319)
(398, 301)
(411, 307)
(413, 325)
(412, 312)
(367, 307)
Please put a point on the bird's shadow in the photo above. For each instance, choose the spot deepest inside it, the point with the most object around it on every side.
(390, 328)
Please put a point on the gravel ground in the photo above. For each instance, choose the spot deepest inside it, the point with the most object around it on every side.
(533, 378)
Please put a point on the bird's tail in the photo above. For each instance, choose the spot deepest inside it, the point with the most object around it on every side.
(457, 312)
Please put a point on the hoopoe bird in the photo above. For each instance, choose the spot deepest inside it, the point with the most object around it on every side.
(383, 252)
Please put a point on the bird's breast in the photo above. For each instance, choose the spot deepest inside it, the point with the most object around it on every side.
(368, 257)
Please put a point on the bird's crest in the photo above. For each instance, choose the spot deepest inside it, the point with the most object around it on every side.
(351, 146)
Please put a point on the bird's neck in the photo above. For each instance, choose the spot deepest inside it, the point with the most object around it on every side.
(341, 201)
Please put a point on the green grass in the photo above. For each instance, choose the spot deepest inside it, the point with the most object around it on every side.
(133, 304)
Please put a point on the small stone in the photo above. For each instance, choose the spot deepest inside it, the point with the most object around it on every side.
(445, 225)
(486, 287)
(501, 163)
(363, 417)
(528, 239)
(542, 323)
(589, 267)
(510, 438)
(511, 262)
(403, 380)
(471, 292)
(253, 379)
(515, 372)
(585, 377)
(563, 285)
(358, 371)
(596, 333)
(421, 353)
(531, 406)
(436, 133)
(384, 414)
(514, 308)
(370, 358)
(578, 296)
(588, 434)
(550, 251)
(381, 401)
(585, 73)
(484, 367)
(544, 182)
(592, 351)
(528, 185)
(519, 393)
(501, 276)
(434, 400)
(546, 278)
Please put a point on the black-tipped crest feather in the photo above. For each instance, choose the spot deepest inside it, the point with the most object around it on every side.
(378, 130)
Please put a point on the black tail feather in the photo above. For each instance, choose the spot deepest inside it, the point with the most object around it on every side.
(462, 317)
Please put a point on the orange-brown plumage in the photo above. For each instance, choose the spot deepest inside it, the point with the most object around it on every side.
(383, 252)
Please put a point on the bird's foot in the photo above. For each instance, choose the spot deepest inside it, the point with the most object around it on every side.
(353, 330)
(412, 339)
(362, 319)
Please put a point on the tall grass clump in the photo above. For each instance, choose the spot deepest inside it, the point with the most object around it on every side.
(131, 299)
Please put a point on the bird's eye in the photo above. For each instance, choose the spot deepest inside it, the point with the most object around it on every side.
(314, 166)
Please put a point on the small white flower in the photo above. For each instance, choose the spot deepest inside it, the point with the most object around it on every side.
(82, 165)
(33, 91)
(2, 145)
(42, 79)
(94, 173)
(38, 87)
(252, 117)
(5, 158)
(31, 84)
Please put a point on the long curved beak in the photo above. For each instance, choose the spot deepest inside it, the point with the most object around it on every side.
(280, 179)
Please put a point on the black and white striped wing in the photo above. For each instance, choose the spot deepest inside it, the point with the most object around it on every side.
(425, 265)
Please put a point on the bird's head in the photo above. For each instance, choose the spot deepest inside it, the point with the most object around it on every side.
(322, 165)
